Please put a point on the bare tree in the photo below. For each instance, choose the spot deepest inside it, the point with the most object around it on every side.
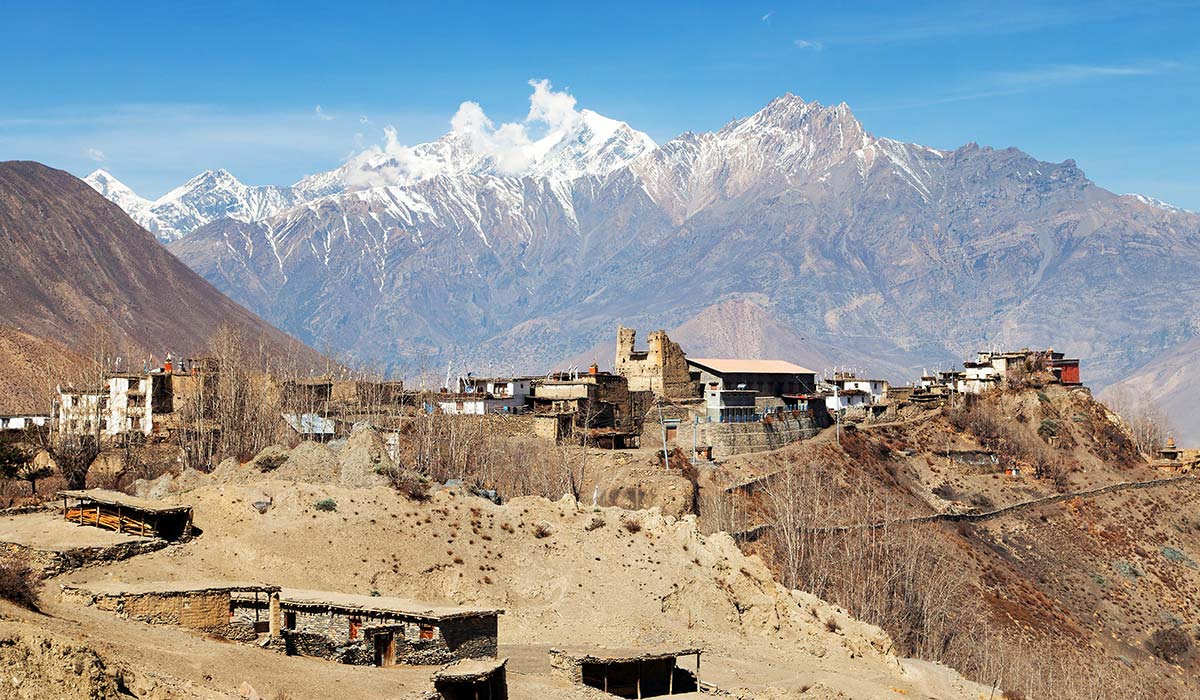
(1147, 423)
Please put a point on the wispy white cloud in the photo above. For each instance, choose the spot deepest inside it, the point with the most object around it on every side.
(320, 114)
(1004, 83)
(808, 44)
(153, 147)
(363, 120)
(95, 154)
(767, 17)
(948, 21)
(1074, 73)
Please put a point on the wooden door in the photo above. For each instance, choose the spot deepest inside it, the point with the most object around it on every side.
(385, 649)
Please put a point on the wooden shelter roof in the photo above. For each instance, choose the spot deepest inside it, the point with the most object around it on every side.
(116, 498)
(601, 655)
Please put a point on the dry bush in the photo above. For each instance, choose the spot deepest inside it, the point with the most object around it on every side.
(632, 525)
(410, 484)
(18, 583)
(1170, 644)
(270, 462)
(542, 530)
(596, 523)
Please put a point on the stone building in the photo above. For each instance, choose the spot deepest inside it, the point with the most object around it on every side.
(473, 679)
(240, 612)
(767, 377)
(139, 405)
(662, 368)
(384, 631)
(629, 673)
(596, 404)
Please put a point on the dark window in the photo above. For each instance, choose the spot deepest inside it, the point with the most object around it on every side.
(289, 620)
(426, 632)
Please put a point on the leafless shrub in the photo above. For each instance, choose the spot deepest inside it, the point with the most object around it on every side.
(542, 530)
(1147, 423)
(633, 525)
(270, 462)
(596, 523)
(1169, 644)
(18, 583)
(832, 625)
(410, 484)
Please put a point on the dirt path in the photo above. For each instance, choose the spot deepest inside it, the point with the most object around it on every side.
(755, 532)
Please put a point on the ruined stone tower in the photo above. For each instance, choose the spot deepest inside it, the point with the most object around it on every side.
(661, 368)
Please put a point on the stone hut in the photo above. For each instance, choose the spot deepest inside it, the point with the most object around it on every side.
(474, 679)
(384, 631)
(236, 611)
(629, 673)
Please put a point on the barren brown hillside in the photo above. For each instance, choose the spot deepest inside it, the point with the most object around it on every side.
(75, 265)
(1112, 568)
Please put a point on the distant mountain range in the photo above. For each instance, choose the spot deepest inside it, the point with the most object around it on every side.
(817, 240)
(76, 268)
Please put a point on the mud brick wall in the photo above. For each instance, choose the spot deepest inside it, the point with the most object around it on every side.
(207, 611)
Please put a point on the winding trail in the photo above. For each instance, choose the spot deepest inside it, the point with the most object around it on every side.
(757, 531)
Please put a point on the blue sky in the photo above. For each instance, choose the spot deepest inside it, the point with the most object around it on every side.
(156, 92)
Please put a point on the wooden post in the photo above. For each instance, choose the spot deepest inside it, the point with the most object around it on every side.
(671, 677)
(272, 614)
(120, 519)
(639, 672)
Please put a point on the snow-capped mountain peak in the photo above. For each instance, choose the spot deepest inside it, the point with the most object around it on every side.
(589, 144)
(116, 191)
(211, 195)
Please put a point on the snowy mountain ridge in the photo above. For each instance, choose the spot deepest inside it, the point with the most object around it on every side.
(581, 144)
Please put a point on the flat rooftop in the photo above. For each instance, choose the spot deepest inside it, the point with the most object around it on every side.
(604, 655)
(115, 588)
(721, 365)
(380, 605)
(116, 498)
(48, 531)
(470, 669)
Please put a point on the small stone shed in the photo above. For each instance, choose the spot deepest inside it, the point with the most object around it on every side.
(217, 609)
(384, 631)
(127, 514)
(473, 679)
(629, 673)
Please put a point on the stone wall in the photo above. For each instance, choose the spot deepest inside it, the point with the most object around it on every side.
(662, 368)
(737, 438)
(55, 562)
(326, 634)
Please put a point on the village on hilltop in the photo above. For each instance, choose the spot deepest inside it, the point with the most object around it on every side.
(659, 398)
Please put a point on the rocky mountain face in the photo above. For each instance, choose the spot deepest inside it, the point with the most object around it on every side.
(75, 266)
(890, 256)
(210, 196)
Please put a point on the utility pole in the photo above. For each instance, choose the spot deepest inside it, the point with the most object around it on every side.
(695, 449)
(837, 414)
(663, 425)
